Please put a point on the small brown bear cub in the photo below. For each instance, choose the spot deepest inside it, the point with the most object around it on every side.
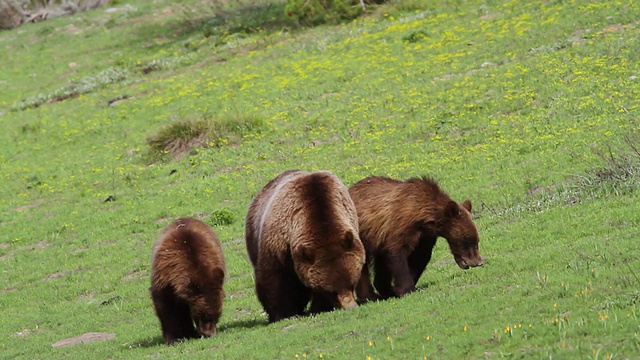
(187, 275)
(399, 224)
(302, 239)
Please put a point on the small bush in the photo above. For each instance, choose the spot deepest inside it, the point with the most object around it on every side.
(314, 12)
(180, 137)
(222, 217)
(183, 136)
(415, 36)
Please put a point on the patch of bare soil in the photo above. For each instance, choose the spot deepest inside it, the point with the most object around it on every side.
(24, 332)
(87, 297)
(237, 294)
(41, 245)
(165, 219)
(224, 170)
(78, 251)
(84, 339)
(4, 257)
(35, 204)
(444, 263)
(618, 27)
(7, 289)
(135, 274)
(242, 312)
(54, 275)
(289, 327)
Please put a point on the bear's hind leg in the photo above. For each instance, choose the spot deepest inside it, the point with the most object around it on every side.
(174, 315)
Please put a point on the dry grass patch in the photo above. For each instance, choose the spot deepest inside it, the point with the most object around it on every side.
(184, 136)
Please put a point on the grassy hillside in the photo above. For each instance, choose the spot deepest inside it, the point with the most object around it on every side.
(529, 109)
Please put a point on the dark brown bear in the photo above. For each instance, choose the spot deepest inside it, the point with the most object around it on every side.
(399, 224)
(302, 239)
(187, 275)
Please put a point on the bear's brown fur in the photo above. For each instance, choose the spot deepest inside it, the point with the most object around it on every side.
(399, 224)
(302, 239)
(187, 276)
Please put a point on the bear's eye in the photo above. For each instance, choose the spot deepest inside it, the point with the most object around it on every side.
(347, 240)
(306, 255)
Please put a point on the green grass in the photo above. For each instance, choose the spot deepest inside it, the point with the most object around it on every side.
(524, 107)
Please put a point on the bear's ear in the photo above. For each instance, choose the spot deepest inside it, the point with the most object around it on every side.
(347, 240)
(452, 210)
(467, 205)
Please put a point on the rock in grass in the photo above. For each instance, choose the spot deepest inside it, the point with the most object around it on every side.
(84, 339)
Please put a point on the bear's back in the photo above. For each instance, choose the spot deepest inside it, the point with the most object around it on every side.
(315, 202)
(306, 206)
(386, 206)
(186, 252)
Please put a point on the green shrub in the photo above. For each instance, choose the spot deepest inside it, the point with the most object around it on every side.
(222, 217)
(313, 12)
(180, 137)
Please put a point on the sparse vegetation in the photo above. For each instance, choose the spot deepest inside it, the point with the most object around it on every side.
(611, 174)
(85, 85)
(620, 173)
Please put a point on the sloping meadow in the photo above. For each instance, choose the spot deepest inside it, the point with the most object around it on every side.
(529, 109)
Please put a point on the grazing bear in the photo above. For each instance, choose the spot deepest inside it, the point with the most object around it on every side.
(399, 224)
(302, 239)
(187, 275)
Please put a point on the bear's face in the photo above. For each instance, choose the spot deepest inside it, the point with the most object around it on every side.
(462, 235)
(205, 324)
(207, 297)
(205, 313)
(332, 268)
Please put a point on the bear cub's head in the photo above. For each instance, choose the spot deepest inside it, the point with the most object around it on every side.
(208, 295)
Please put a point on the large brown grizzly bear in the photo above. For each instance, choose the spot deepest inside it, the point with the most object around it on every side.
(187, 276)
(399, 224)
(302, 239)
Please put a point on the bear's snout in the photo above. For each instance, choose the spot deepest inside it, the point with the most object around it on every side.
(465, 263)
(347, 300)
(206, 328)
(477, 261)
